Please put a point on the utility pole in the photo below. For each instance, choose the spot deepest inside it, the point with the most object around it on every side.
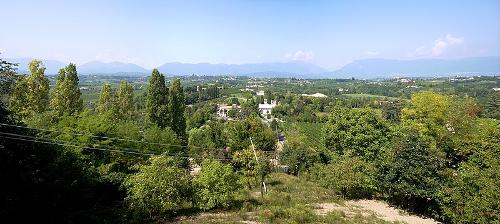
(263, 188)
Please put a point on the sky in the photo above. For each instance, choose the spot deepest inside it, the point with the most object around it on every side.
(326, 33)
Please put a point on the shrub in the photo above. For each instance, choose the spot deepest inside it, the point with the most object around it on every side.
(348, 175)
(159, 187)
(215, 186)
(472, 195)
(413, 172)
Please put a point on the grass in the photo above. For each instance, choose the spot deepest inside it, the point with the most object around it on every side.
(289, 199)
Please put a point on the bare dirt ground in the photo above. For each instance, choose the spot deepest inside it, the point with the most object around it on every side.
(368, 207)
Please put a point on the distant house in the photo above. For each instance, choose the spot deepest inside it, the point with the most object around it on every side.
(496, 89)
(260, 93)
(266, 108)
(317, 95)
(223, 109)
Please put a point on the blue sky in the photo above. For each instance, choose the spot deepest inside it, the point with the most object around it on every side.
(327, 33)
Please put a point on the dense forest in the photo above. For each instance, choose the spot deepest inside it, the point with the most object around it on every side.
(159, 153)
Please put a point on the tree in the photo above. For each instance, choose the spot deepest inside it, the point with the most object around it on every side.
(348, 175)
(361, 131)
(66, 94)
(19, 99)
(413, 171)
(124, 102)
(215, 186)
(106, 99)
(31, 93)
(296, 155)
(471, 195)
(450, 122)
(177, 107)
(7, 78)
(168, 142)
(200, 143)
(253, 172)
(158, 188)
(492, 106)
(157, 100)
(38, 87)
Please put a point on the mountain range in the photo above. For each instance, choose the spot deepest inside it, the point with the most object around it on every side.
(363, 69)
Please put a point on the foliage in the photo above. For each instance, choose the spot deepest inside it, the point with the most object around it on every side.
(412, 172)
(296, 154)
(66, 94)
(253, 172)
(51, 183)
(177, 107)
(361, 131)
(492, 106)
(158, 188)
(157, 100)
(124, 102)
(166, 141)
(215, 186)
(31, 93)
(472, 194)
(348, 175)
(200, 143)
(106, 99)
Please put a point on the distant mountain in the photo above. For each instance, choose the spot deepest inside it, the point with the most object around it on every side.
(364, 69)
(97, 67)
(386, 68)
(52, 66)
(262, 69)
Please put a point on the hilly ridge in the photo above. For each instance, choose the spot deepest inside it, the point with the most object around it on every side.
(363, 69)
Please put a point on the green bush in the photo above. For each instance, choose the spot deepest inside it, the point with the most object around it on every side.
(159, 188)
(348, 175)
(473, 194)
(413, 172)
(215, 186)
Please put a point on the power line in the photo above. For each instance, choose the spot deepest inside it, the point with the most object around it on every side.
(73, 144)
(85, 147)
(105, 137)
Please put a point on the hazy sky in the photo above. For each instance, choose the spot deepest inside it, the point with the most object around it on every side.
(327, 33)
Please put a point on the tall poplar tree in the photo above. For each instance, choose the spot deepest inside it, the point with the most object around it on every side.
(66, 94)
(31, 93)
(106, 99)
(124, 101)
(157, 100)
(177, 107)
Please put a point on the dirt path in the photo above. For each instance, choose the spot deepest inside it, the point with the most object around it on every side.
(367, 207)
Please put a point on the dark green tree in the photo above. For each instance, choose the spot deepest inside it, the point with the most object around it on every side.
(413, 172)
(157, 100)
(492, 106)
(177, 107)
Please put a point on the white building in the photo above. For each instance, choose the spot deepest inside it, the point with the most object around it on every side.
(260, 93)
(317, 95)
(223, 109)
(266, 108)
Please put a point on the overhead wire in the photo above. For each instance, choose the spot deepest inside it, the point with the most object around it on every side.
(105, 137)
(73, 144)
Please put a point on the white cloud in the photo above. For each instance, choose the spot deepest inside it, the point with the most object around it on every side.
(372, 53)
(441, 45)
(300, 56)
